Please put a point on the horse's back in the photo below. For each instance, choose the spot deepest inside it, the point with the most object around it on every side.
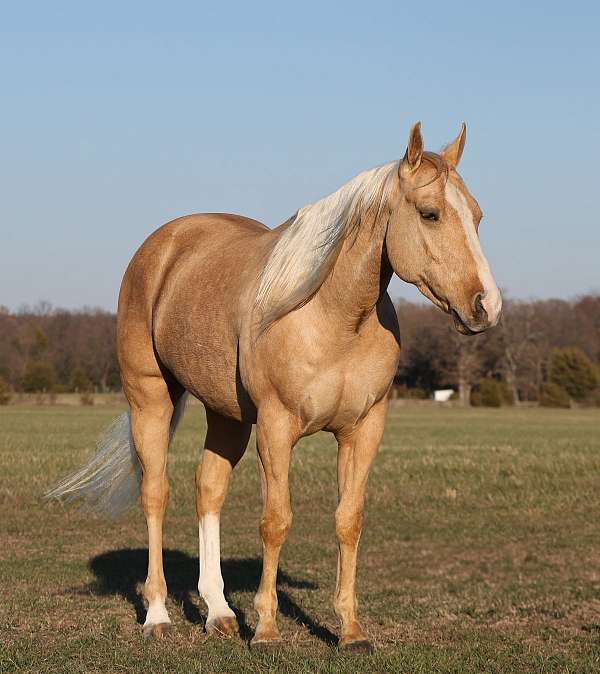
(198, 233)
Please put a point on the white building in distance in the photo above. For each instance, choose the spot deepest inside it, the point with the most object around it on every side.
(443, 395)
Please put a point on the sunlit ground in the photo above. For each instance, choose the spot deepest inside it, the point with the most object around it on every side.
(481, 551)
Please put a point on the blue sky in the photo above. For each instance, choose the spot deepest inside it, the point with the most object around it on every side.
(117, 117)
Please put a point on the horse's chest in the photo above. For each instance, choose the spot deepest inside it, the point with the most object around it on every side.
(326, 379)
(340, 394)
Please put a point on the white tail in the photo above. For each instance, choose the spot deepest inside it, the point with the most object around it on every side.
(110, 483)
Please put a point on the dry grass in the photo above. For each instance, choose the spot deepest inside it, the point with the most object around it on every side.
(481, 551)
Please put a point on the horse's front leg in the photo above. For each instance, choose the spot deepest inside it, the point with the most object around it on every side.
(275, 439)
(357, 447)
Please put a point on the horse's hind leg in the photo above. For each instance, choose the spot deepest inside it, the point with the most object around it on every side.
(152, 403)
(226, 441)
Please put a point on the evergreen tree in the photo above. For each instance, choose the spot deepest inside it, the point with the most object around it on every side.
(574, 372)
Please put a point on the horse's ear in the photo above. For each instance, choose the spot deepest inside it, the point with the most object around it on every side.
(453, 152)
(414, 150)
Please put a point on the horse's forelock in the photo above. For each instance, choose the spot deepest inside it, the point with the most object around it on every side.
(439, 164)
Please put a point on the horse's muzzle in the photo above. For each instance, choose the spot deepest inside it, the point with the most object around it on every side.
(484, 315)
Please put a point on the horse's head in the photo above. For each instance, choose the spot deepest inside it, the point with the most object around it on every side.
(432, 239)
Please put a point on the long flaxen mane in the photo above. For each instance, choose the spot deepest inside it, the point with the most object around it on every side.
(308, 247)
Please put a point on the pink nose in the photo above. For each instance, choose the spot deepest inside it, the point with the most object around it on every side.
(491, 301)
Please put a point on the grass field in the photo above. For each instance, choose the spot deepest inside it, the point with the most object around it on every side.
(481, 551)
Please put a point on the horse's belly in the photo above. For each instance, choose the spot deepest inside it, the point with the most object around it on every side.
(210, 373)
(225, 401)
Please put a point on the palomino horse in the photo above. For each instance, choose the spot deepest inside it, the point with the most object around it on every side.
(291, 329)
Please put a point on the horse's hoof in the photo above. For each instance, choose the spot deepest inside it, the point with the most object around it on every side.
(266, 645)
(358, 646)
(226, 626)
(156, 631)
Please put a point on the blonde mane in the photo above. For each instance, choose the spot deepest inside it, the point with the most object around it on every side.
(308, 247)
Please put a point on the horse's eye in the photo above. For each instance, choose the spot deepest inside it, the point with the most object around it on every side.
(430, 215)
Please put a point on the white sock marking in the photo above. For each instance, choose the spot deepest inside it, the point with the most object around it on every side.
(157, 613)
(210, 581)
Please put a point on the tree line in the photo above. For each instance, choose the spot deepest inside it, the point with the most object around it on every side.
(55, 350)
(546, 351)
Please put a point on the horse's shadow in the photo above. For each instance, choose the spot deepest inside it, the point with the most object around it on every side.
(121, 571)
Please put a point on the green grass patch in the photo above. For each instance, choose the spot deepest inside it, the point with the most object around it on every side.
(480, 553)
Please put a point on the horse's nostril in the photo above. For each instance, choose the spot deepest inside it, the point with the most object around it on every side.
(480, 312)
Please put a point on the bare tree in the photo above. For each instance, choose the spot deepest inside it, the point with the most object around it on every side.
(518, 332)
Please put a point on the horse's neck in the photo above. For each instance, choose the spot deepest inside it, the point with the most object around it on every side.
(360, 275)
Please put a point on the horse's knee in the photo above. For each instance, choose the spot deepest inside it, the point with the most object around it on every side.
(275, 526)
(348, 525)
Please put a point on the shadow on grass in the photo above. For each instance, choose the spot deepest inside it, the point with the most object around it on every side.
(121, 571)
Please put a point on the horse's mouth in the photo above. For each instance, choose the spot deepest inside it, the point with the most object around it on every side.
(461, 326)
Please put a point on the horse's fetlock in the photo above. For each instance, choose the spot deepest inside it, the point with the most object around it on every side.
(265, 603)
(155, 589)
